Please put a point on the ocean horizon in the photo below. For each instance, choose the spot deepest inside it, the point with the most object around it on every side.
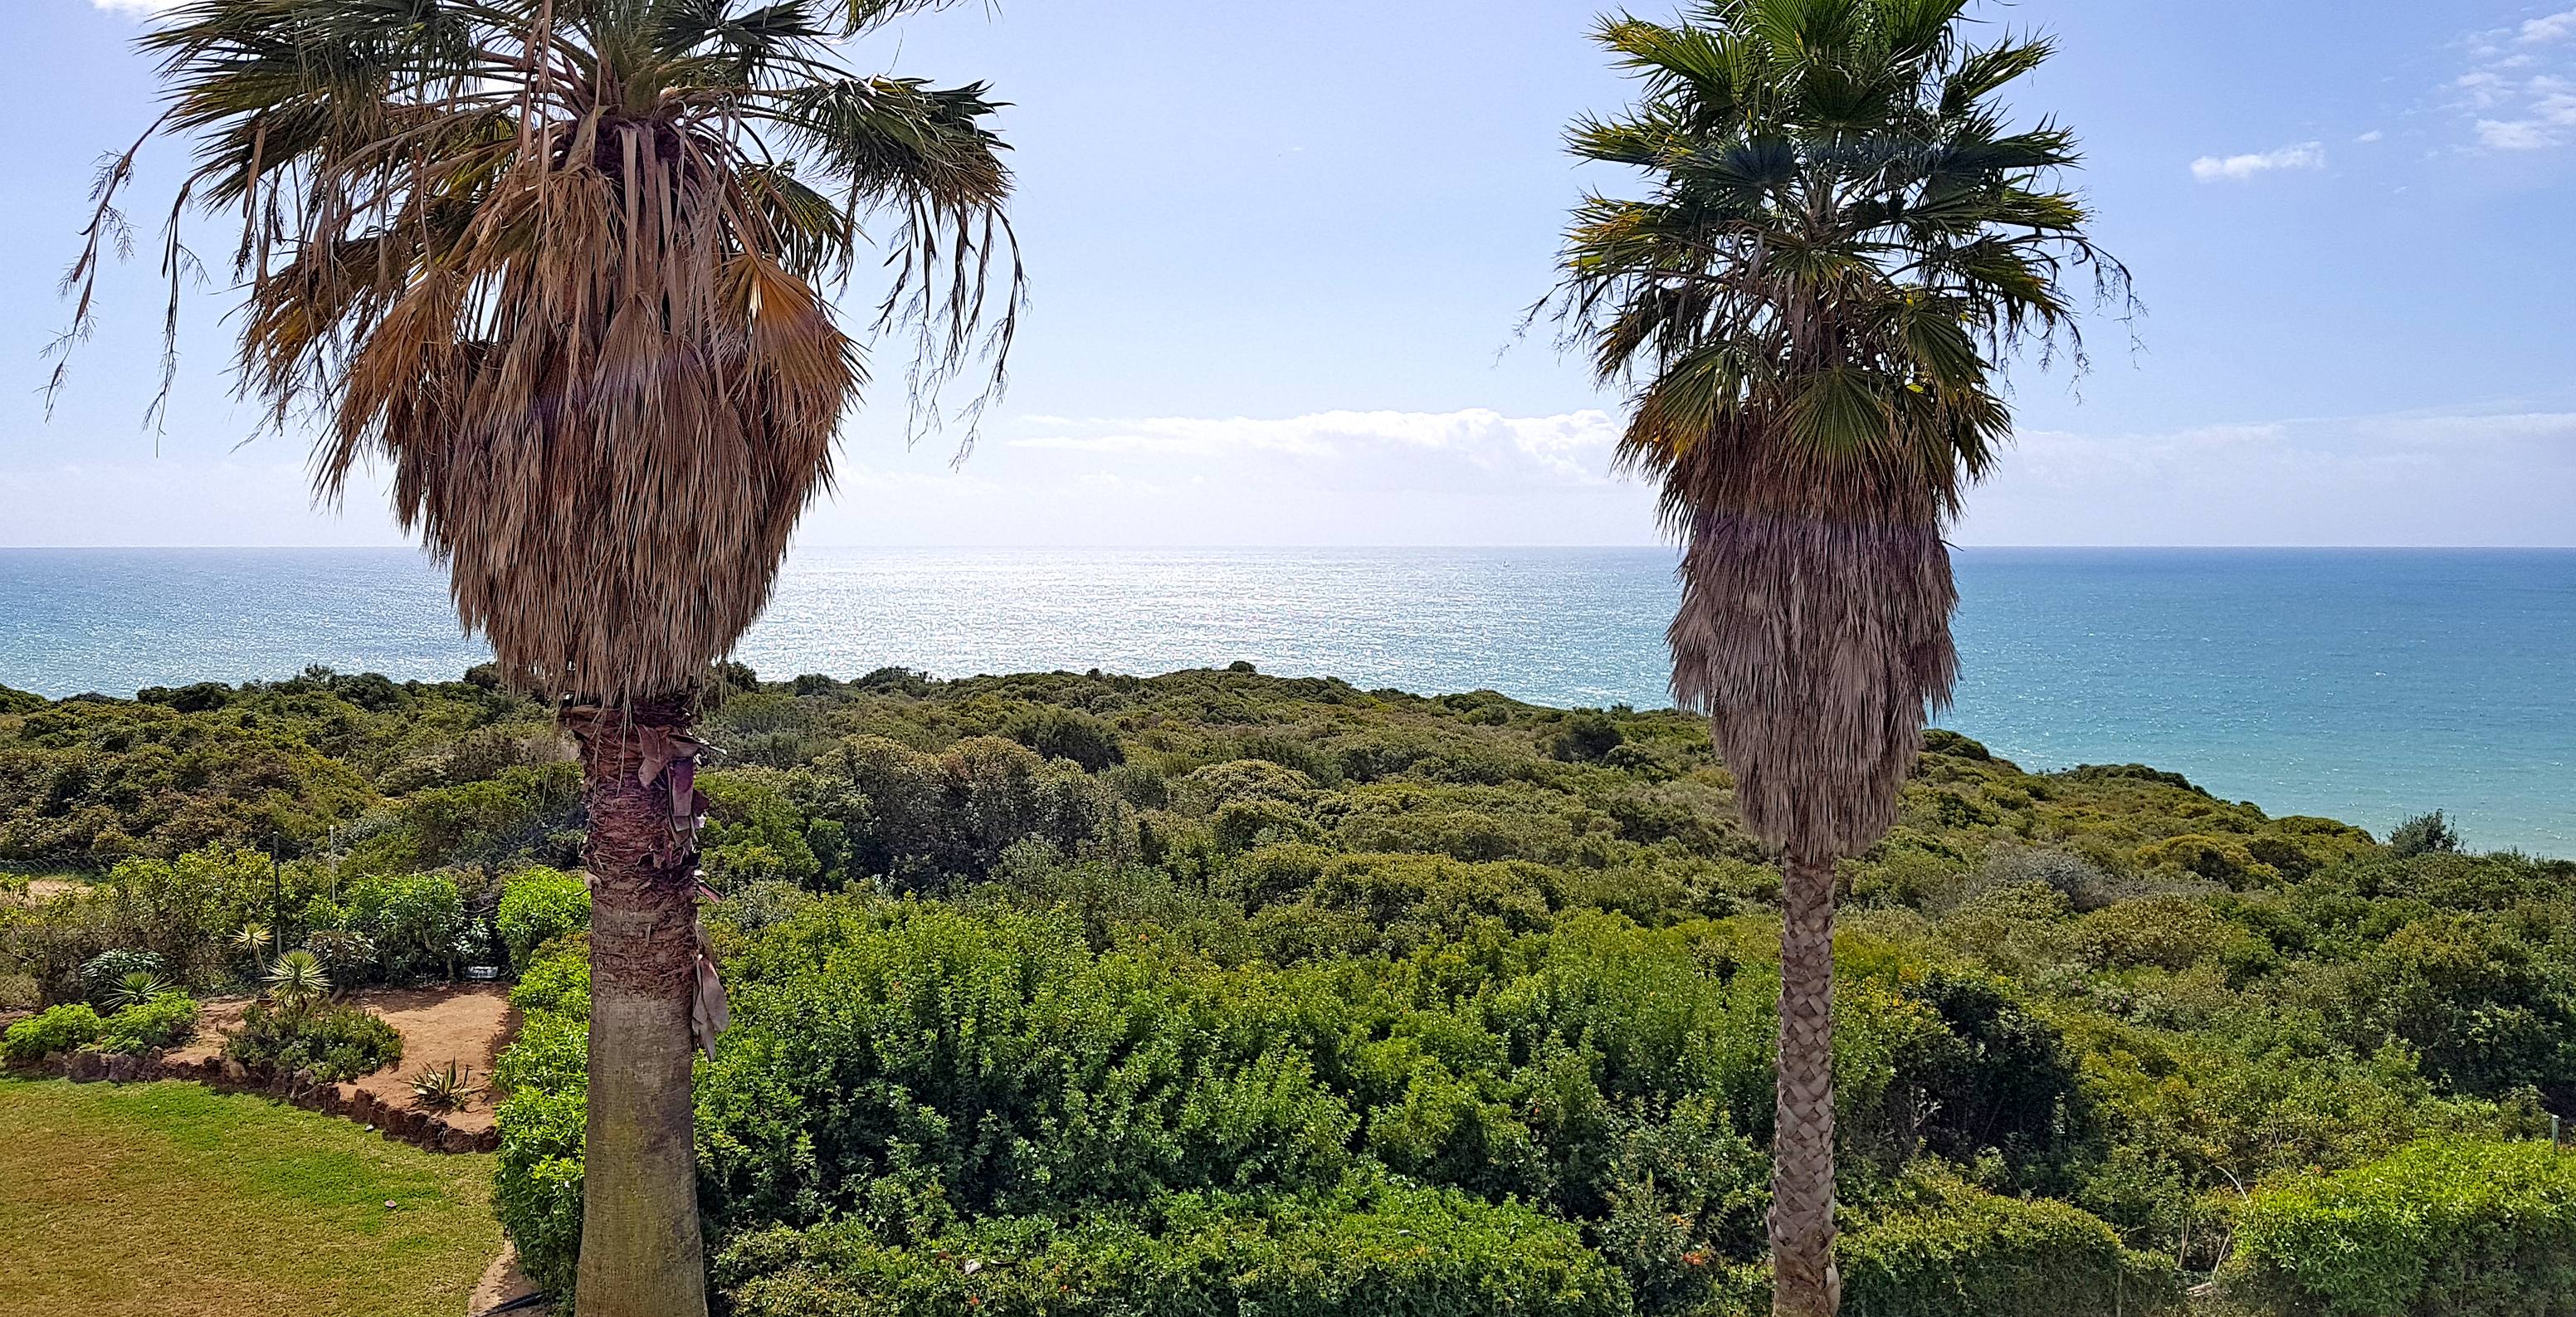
(2367, 685)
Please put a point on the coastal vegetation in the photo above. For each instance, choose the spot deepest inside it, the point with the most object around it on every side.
(1248, 993)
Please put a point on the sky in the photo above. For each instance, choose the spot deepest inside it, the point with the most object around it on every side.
(1280, 257)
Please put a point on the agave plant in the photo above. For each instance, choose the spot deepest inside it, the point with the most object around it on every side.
(298, 980)
(253, 938)
(447, 1089)
(137, 988)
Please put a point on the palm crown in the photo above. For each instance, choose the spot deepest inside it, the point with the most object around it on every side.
(1842, 245)
(1843, 240)
(565, 264)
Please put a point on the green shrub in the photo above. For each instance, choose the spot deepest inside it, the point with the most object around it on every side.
(538, 906)
(2442, 1228)
(164, 1021)
(336, 1043)
(1943, 1248)
(100, 977)
(1061, 733)
(347, 955)
(536, 1188)
(62, 1029)
(415, 919)
(1367, 1248)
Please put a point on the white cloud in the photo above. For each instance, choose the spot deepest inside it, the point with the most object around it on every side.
(1570, 449)
(2386, 480)
(2518, 96)
(137, 8)
(2555, 27)
(2372, 136)
(2306, 155)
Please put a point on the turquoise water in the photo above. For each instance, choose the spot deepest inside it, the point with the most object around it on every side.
(2365, 685)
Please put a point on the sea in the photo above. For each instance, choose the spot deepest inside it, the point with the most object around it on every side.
(2367, 685)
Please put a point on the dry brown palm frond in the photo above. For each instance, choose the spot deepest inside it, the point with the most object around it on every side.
(565, 269)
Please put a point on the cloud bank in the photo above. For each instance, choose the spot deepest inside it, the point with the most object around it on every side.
(1471, 477)
(2520, 92)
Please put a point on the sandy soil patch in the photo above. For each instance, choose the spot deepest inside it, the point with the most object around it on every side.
(467, 1024)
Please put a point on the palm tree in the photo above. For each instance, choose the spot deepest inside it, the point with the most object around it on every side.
(1842, 247)
(565, 266)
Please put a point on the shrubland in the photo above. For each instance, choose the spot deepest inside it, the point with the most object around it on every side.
(1216, 992)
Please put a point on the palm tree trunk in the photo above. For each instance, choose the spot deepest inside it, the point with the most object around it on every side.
(1804, 1281)
(641, 1255)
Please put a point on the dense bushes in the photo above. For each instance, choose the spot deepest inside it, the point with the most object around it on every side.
(60, 1029)
(931, 1074)
(1193, 959)
(335, 1042)
(538, 906)
(1940, 1247)
(2449, 1228)
(1367, 1246)
(163, 1022)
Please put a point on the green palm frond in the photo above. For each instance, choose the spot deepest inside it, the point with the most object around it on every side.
(1837, 206)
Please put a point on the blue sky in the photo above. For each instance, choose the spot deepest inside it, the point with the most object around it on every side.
(1279, 255)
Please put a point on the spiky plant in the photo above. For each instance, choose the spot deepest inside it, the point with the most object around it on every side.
(1843, 245)
(566, 266)
(252, 940)
(296, 980)
(138, 988)
(444, 1088)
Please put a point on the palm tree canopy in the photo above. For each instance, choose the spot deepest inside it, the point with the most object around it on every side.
(1843, 245)
(565, 265)
(1843, 240)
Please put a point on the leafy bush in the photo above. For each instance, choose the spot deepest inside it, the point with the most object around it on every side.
(103, 975)
(347, 955)
(538, 906)
(414, 919)
(2425, 834)
(337, 1043)
(1367, 1247)
(62, 1029)
(1941, 1247)
(163, 1022)
(1061, 733)
(2454, 1228)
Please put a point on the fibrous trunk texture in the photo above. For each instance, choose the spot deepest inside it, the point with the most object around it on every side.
(1804, 1281)
(641, 1255)
(1815, 629)
(1817, 644)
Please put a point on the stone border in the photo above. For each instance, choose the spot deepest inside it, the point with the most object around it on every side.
(422, 1129)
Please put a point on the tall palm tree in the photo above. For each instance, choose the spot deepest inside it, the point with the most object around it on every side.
(564, 266)
(1843, 246)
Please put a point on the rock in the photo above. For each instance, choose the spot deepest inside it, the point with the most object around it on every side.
(362, 1108)
(235, 1070)
(488, 1140)
(123, 1069)
(87, 1068)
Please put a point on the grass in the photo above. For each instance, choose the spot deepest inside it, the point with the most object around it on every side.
(172, 1200)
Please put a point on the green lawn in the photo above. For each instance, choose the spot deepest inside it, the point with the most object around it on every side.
(147, 1200)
